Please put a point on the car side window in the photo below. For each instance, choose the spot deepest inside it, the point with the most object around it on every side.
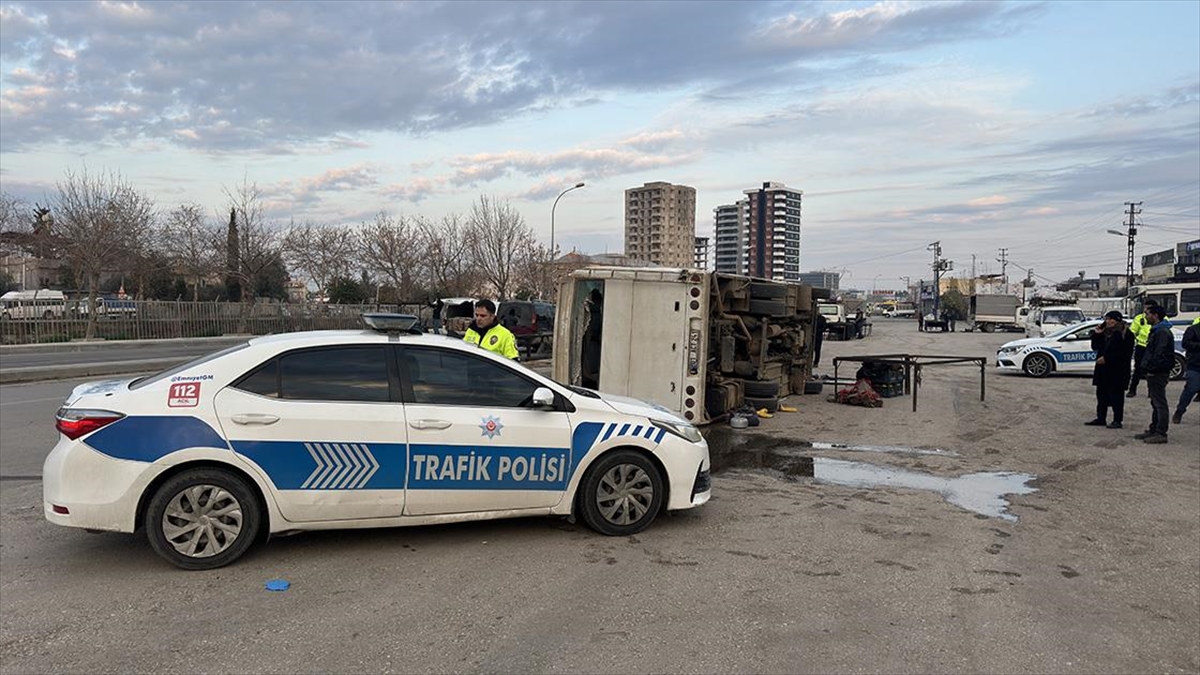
(263, 380)
(445, 377)
(335, 374)
(1189, 300)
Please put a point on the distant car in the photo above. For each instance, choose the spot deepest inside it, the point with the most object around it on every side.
(1046, 321)
(353, 429)
(531, 322)
(1068, 350)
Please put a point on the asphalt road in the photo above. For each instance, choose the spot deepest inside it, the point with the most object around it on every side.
(779, 573)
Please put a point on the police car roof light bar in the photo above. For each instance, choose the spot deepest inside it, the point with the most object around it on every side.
(386, 322)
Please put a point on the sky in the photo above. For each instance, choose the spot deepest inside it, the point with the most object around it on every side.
(982, 125)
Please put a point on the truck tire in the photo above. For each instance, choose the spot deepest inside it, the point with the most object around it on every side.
(759, 389)
(768, 307)
(765, 291)
(771, 403)
(987, 327)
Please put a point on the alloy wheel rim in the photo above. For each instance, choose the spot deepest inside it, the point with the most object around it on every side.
(624, 494)
(201, 521)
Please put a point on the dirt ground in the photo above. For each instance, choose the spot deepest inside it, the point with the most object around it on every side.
(780, 573)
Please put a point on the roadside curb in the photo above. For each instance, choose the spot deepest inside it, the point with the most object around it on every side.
(97, 345)
(42, 373)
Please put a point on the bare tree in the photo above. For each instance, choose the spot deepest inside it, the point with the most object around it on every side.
(320, 252)
(391, 250)
(498, 240)
(100, 218)
(446, 267)
(191, 243)
(255, 246)
(13, 214)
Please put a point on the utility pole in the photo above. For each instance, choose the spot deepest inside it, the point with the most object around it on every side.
(973, 277)
(1003, 260)
(939, 266)
(1028, 284)
(1134, 209)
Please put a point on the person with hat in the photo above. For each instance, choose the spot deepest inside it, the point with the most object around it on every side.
(1113, 343)
(1157, 362)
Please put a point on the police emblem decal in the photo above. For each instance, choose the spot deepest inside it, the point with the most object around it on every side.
(494, 340)
(491, 426)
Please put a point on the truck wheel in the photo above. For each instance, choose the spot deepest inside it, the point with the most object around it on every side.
(621, 493)
(766, 291)
(1038, 365)
(202, 519)
(768, 307)
(759, 389)
(1178, 368)
(771, 403)
(988, 327)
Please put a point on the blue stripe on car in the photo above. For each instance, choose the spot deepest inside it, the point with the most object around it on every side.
(321, 465)
(147, 438)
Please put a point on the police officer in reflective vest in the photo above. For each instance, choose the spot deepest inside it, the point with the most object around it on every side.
(1141, 333)
(487, 332)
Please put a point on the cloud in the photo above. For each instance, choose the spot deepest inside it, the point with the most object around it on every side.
(242, 77)
(414, 190)
(579, 163)
(312, 189)
(984, 202)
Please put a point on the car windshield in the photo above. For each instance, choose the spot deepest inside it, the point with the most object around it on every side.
(158, 377)
(1063, 316)
(1063, 332)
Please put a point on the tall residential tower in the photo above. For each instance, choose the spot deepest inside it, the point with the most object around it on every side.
(760, 235)
(660, 224)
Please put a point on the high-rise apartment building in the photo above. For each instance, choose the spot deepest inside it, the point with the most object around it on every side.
(660, 224)
(701, 258)
(821, 279)
(773, 216)
(730, 252)
(760, 235)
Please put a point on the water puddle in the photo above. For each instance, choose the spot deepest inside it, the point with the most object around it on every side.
(982, 492)
(898, 449)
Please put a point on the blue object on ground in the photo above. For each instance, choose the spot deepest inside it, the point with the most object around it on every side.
(278, 585)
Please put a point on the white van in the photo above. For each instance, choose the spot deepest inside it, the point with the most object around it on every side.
(1042, 321)
(42, 304)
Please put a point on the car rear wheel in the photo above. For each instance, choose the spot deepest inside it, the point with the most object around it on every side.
(1178, 367)
(202, 519)
(1038, 365)
(621, 493)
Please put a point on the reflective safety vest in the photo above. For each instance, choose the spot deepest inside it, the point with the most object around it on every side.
(1140, 329)
(495, 338)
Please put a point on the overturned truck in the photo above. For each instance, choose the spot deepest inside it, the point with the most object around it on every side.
(697, 343)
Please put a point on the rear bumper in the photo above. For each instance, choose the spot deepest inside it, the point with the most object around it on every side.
(97, 491)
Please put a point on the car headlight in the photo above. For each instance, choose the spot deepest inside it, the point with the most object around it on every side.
(687, 432)
(1008, 350)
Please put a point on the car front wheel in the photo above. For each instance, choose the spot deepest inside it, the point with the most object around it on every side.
(202, 519)
(1178, 367)
(1038, 365)
(621, 493)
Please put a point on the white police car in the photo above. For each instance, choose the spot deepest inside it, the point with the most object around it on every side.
(1066, 350)
(352, 429)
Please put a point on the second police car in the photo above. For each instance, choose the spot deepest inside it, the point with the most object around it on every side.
(1068, 350)
(353, 429)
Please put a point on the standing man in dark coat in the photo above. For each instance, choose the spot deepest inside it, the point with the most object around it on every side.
(1157, 361)
(819, 322)
(1191, 373)
(1113, 343)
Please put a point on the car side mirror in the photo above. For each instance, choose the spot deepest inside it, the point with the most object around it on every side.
(543, 398)
(1038, 322)
(1069, 338)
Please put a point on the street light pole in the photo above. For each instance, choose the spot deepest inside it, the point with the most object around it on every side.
(552, 208)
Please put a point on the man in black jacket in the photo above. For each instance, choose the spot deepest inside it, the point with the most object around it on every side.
(1191, 374)
(1113, 343)
(1156, 362)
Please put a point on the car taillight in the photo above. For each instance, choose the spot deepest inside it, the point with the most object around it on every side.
(73, 422)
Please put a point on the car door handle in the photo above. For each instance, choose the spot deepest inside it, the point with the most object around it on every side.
(255, 418)
(429, 424)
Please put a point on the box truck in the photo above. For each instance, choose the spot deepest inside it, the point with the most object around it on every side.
(697, 343)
